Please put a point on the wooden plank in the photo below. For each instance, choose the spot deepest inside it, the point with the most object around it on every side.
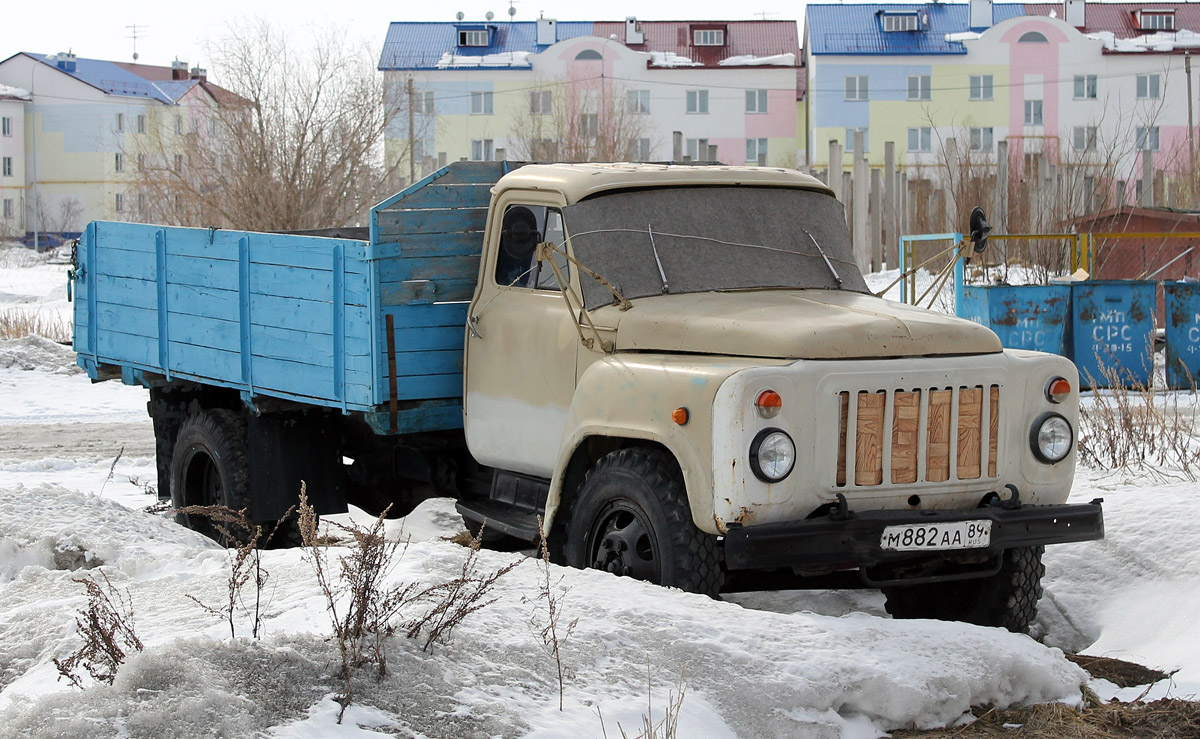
(429, 386)
(444, 362)
(309, 252)
(433, 338)
(117, 346)
(970, 422)
(868, 443)
(201, 272)
(311, 284)
(906, 418)
(937, 453)
(114, 262)
(209, 302)
(207, 332)
(844, 404)
(127, 319)
(304, 315)
(197, 243)
(394, 224)
(428, 268)
(437, 314)
(124, 291)
(467, 243)
(203, 361)
(445, 291)
(993, 428)
(443, 194)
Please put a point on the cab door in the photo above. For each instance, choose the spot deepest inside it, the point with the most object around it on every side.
(521, 342)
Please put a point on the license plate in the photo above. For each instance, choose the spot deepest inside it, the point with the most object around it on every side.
(915, 537)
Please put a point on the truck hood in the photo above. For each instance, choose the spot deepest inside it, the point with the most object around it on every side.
(791, 324)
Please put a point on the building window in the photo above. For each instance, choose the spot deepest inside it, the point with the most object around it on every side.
(1149, 86)
(589, 55)
(981, 139)
(1147, 139)
(120, 122)
(900, 22)
(856, 87)
(481, 150)
(5, 126)
(423, 102)
(697, 101)
(918, 87)
(756, 151)
(639, 101)
(639, 150)
(589, 125)
(1084, 138)
(1085, 87)
(141, 162)
(541, 102)
(178, 162)
(708, 37)
(850, 140)
(920, 139)
(756, 101)
(1158, 20)
(119, 163)
(120, 203)
(141, 124)
(981, 87)
(6, 167)
(1033, 112)
(179, 124)
(473, 38)
(141, 203)
(9, 210)
(1033, 37)
(481, 103)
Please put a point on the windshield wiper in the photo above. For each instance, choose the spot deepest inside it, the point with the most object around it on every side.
(824, 256)
(661, 274)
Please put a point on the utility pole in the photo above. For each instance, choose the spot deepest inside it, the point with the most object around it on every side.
(1187, 68)
(33, 122)
(412, 136)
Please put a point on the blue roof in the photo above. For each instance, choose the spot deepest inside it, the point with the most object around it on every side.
(421, 45)
(116, 80)
(858, 29)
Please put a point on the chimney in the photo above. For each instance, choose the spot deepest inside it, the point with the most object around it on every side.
(179, 70)
(633, 31)
(199, 73)
(547, 31)
(1075, 13)
(65, 61)
(980, 15)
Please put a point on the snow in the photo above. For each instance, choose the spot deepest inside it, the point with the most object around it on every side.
(671, 59)
(749, 60)
(450, 60)
(1159, 41)
(796, 663)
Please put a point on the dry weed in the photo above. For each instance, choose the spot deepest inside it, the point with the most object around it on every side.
(666, 727)
(106, 625)
(546, 627)
(17, 324)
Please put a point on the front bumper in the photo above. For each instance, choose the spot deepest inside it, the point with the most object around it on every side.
(853, 539)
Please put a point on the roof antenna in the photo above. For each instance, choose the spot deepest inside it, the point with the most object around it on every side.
(134, 35)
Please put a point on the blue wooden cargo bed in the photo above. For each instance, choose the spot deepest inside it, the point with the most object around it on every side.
(365, 326)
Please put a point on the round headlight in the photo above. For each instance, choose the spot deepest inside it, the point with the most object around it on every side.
(772, 455)
(1051, 438)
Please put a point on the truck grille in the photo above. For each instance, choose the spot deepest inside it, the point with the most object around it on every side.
(925, 435)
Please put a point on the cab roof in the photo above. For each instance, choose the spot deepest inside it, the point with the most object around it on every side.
(580, 181)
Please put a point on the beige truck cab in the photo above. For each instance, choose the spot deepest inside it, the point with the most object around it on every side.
(681, 372)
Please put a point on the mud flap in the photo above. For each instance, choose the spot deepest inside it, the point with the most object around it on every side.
(285, 449)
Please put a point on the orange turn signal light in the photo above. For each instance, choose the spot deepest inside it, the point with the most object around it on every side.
(680, 416)
(768, 403)
(1058, 390)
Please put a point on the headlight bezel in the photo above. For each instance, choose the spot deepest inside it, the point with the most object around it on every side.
(1035, 433)
(755, 451)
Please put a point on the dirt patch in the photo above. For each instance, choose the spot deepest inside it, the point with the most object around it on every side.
(1169, 718)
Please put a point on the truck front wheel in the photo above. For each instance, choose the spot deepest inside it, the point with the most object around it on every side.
(209, 467)
(632, 518)
(1009, 598)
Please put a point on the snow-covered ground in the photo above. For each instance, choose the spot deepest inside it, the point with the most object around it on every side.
(799, 663)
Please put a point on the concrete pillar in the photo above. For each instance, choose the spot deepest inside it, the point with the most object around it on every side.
(677, 146)
(1147, 199)
(1000, 217)
(834, 176)
(862, 183)
(891, 222)
(876, 220)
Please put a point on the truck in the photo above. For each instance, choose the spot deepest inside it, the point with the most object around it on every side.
(668, 372)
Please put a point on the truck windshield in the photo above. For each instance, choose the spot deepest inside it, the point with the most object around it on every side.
(701, 239)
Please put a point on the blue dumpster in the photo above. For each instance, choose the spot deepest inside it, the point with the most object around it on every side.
(1023, 316)
(1113, 332)
(1182, 301)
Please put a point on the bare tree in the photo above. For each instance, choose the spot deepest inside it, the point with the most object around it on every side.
(291, 140)
(578, 121)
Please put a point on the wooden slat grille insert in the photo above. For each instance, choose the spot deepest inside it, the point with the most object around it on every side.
(868, 448)
(953, 431)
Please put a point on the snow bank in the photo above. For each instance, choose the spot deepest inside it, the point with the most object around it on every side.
(671, 59)
(450, 60)
(749, 60)
(38, 353)
(1160, 41)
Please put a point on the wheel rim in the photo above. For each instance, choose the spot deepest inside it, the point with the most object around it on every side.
(623, 543)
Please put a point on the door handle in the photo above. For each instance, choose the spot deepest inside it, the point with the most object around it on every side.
(471, 321)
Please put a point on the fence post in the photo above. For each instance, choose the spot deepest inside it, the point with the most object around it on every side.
(876, 220)
(891, 251)
(861, 240)
(1147, 198)
(835, 168)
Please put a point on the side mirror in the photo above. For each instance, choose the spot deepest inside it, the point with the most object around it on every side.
(519, 235)
(979, 229)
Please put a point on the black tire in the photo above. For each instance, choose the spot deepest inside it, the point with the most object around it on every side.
(210, 466)
(632, 518)
(1008, 599)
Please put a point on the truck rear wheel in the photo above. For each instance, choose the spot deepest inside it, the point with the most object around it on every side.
(632, 518)
(210, 467)
(1009, 598)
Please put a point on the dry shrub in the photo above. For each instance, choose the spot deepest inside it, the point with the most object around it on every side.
(17, 324)
(666, 727)
(364, 610)
(546, 627)
(106, 625)
(1168, 718)
(245, 561)
(1130, 426)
